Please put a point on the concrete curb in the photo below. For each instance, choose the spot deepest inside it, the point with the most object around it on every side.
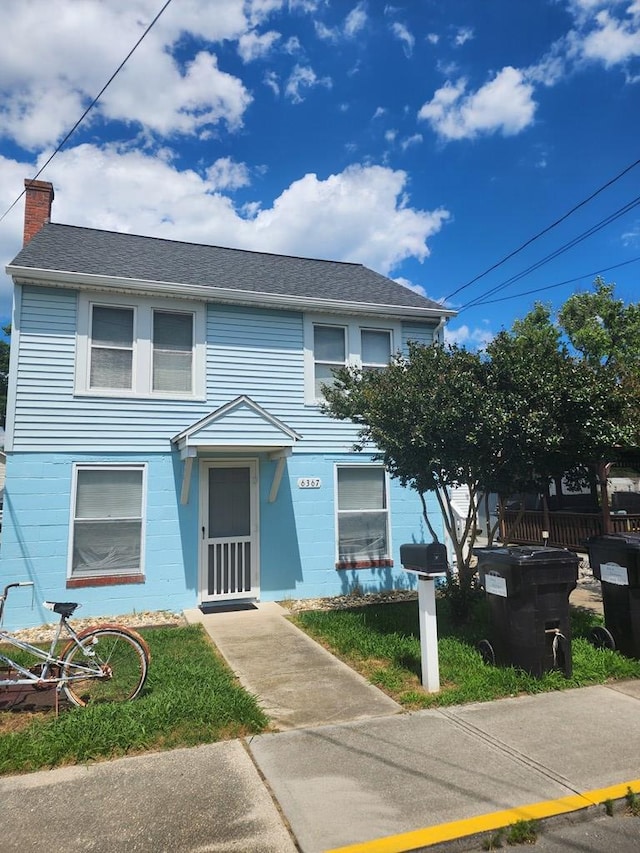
(447, 836)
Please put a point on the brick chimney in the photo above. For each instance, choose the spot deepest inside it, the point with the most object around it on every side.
(37, 208)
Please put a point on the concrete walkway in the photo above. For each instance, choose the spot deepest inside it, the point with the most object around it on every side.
(297, 682)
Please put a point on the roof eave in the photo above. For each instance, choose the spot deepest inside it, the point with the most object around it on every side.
(82, 281)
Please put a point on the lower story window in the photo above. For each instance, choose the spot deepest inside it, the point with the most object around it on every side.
(363, 516)
(107, 523)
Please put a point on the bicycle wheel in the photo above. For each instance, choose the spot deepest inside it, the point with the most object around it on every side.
(112, 669)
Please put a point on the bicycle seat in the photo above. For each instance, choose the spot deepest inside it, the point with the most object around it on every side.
(64, 608)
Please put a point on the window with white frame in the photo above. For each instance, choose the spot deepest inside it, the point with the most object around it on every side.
(362, 514)
(172, 352)
(330, 344)
(140, 348)
(111, 347)
(107, 520)
(375, 348)
(329, 353)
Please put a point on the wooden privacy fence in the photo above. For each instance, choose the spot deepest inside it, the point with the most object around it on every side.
(566, 529)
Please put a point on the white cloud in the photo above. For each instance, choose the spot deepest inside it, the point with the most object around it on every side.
(354, 22)
(503, 105)
(226, 174)
(362, 214)
(477, 338)
(410, 141)
(613, 41)
(632, 237)
(433, 38)
(401, 32)
(325, 33)
(80, 45)
(255, 46)
(270, 79)
(416, 288)
(379, 113)
(463, 35)
(303, 78)
(201, 95)
(292, 45)
(259, 10)
(604, 32)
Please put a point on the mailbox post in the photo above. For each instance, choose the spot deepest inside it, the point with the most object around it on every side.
(428, 562)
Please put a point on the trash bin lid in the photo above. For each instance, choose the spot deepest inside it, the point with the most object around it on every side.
(521, 555)
(631, 540)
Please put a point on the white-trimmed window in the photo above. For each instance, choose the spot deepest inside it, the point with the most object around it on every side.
(111, 347)
(107, 521)
(140, 348)
(172, 352)
(375, 348)
(362, 510)
(330, 343)
(329, 353)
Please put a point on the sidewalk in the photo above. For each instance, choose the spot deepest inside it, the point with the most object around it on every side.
(378, 781)
(400, 777)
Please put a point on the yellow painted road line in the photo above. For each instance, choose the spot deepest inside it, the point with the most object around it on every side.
(408, 841)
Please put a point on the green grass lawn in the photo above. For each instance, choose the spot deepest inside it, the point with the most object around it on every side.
(190, 697)
(382, 641)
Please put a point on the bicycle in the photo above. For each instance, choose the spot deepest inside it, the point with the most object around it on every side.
(105, 663)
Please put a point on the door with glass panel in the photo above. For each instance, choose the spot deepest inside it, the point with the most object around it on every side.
(229, 530)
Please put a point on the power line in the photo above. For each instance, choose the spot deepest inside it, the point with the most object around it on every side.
(544, 230)
(551, 286)
(556, 253)
(89, 108)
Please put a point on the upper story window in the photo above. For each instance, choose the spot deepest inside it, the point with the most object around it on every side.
(329, 352)
(141, 349)
(330, 344)
(111, 347)
(172, 352)
(376, 348)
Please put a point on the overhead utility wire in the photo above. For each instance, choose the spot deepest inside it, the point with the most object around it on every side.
(557, 252)
(552, 255)
(557, 284)
(544, 230)
(89, 108)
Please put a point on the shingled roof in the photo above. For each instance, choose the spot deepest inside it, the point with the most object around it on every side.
(91, 252)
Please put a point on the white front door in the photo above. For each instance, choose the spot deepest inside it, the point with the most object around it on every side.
(229, 530)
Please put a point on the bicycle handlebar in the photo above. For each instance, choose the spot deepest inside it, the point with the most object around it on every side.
(11, 585)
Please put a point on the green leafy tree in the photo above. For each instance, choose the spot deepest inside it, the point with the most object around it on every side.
(505, 421)
(602, 328)
(434, 421)
(565, 412)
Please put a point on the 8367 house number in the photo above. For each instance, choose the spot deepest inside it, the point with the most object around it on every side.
(309, 482)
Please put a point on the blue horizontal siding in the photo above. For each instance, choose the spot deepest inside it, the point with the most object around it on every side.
(250, 351)
(421, 333)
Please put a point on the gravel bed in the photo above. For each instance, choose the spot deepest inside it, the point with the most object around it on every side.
(144, 619)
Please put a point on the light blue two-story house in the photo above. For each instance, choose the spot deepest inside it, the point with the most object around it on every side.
(165, 446)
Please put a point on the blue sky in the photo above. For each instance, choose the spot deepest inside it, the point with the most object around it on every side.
(425, 139)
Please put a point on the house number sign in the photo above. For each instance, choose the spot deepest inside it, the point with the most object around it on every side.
(309, 482)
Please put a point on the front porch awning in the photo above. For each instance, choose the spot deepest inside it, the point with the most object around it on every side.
(240, 425)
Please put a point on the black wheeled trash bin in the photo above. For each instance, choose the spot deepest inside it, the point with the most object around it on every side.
(527, 589)
(615, 560)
